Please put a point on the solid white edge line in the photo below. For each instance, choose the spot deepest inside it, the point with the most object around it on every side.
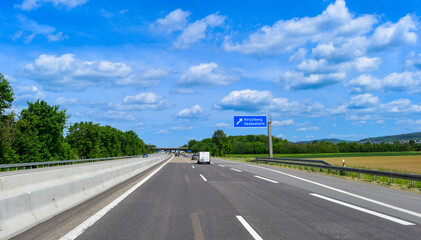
(221, 165)
(236, 170)
(344, 192)
(253, 233)
(204, 179)
(98, 215)
(269, 180)
(381, 215)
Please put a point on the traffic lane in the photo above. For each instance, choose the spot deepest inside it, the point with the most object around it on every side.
(278, 210)
(63, 223)
(174, 204)
(377, 198)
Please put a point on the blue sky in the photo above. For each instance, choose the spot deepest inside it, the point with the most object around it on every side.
(178, 70)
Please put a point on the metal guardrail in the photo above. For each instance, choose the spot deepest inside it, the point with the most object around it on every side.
(31, 165)
(296, 160)
(392, 175)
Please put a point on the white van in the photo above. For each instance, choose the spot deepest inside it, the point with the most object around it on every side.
(204, 157)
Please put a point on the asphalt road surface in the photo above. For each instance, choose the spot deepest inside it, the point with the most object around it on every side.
(233, 200)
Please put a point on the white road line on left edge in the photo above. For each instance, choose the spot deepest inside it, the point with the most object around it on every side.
(204, 179)
(253, 233)
(266, 179)
(236, 170)
(94, 218)
(377, 214)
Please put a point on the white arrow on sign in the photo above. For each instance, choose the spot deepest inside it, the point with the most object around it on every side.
(239, 121)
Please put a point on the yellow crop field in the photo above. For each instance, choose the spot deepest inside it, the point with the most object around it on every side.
(408, 164)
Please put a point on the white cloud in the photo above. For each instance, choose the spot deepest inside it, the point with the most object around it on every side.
(404, 81)
(358, 118)
(56, 37)
(66, 101)
(182, 128)
(143, 101)
(395, 34)
(287, 122)
(365, 64)
(245, 100)
(222, 125)
(29, 29)
(69, 73)
(207, 74)
(28, 92)
(299, 81)
(174, 21)
(162, 131)
(363, 101)
(28, 5)
(182, 91)
(262, 101)
(148, 78)
(335, 23)
(402, 105)
(191, 113)
(197, 30)
(306, 129)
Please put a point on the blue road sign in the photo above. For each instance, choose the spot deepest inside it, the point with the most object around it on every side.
(250, 121)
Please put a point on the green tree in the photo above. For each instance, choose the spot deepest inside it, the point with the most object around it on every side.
(40, 129)
(84, 138)
(6, 95)
(7, 122)
(219, 138)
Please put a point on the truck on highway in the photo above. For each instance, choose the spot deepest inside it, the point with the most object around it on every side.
(204, 157)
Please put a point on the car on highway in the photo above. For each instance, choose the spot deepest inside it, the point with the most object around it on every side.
(195, 156)
(145, 155)
(204, 157)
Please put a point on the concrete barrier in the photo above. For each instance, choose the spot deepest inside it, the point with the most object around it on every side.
(28, 199)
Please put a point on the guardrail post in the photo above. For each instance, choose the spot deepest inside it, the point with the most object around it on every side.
(391, 179)
(412, 182)
(374, 177)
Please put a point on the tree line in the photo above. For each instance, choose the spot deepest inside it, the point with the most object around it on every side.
(221, 144)
(38, 134)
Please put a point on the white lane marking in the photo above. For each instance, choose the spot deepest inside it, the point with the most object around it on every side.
(94, 218)
(269, 180)
(204, 179)
(212, 163)
(221, 165)
(381, 215)
(236, 170)
(192, 166)
(253, 233)
(345, 192)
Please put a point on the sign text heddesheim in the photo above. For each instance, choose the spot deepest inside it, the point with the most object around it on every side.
(250, 121)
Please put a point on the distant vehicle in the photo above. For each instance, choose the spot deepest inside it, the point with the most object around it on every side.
(177, 154)
(195, 156)
(145, 155)
(204, 157)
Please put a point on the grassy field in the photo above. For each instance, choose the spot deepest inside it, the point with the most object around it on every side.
(408, 162)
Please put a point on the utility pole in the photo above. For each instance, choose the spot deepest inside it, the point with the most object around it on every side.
(270, 136)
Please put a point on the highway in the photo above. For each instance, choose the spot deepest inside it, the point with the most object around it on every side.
(234, 200)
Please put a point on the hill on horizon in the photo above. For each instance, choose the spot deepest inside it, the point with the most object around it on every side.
(416, 136)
